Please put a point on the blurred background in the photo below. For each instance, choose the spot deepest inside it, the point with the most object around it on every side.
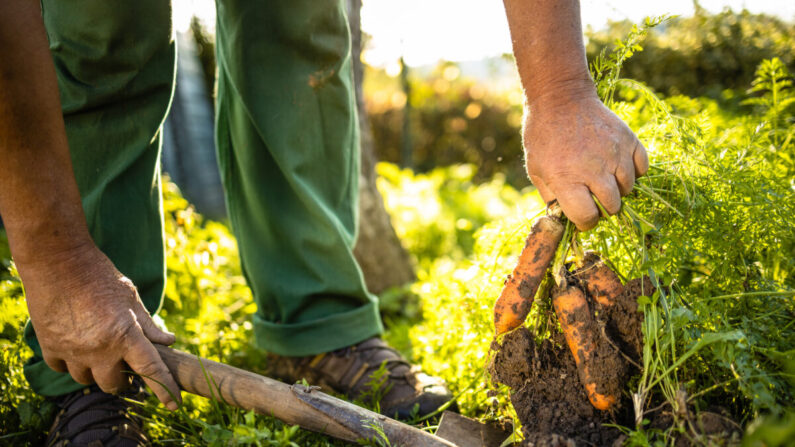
(439, 86)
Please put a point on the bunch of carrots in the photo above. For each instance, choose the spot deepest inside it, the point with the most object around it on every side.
(594, 277)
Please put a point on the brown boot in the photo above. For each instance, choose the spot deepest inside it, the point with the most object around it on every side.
(354, 371)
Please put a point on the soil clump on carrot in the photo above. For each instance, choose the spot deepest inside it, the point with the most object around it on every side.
(598, 360)
(550, 402)
(623, 320)
(520, 288)
(546, 389)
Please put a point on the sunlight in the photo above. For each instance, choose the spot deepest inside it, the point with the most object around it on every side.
(424, 32)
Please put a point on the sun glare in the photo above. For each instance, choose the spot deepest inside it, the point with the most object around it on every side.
(425, 32)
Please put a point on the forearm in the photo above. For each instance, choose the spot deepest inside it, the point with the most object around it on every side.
(548, 47)
(39, 198)
(575, 147)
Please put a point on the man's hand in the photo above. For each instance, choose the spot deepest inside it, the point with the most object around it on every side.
(88, 317)
(576, 147)
(90, 321)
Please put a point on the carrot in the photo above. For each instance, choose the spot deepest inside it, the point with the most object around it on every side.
(579, 328)
(520, 288)
(601, 282)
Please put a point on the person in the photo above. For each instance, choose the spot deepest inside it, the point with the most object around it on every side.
(84, 89)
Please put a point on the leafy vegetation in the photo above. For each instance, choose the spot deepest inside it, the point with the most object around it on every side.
(703, 54)
(453, 120)
(712, 223)
(457, 119)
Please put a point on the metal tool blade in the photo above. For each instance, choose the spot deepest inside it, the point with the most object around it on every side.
(465, 432)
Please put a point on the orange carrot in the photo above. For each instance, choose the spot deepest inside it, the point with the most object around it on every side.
(578, 327)
(517, 296)
(600, 280)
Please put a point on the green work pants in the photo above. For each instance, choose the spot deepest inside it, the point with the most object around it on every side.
(287, 138)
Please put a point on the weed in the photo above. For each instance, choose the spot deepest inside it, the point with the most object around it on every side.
(376, 388)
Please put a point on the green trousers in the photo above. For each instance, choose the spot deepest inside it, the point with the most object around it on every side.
(287, 138)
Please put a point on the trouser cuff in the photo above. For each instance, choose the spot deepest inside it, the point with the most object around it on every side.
(323, 335)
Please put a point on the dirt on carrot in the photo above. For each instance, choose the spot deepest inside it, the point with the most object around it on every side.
(623, 320)
(520, 288)
(598, 360)
(616, 304)
(601, 282)
(546, 390)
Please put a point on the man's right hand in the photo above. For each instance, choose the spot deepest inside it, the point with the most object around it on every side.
(88, 316)
(90, 320)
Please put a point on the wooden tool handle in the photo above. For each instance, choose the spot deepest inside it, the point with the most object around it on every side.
(293, 404)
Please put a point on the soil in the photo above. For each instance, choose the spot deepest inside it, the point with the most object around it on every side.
(601, 361)
(546, 391)
(704, 428)
(623, 320)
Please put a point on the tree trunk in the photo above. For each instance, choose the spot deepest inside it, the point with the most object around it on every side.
(383, 259)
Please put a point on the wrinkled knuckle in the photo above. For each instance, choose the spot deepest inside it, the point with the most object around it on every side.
(589, 219)
(123, 329)
(81, 379)
(108, 388)
(150, 368)
(126, 281)
(147, 367)
(129, 285)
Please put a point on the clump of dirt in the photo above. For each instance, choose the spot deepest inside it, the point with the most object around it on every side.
(623, 320)
(546, 391)
(605, 362)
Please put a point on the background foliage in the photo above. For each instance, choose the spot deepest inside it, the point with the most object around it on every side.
(704, 54)
(455, 118)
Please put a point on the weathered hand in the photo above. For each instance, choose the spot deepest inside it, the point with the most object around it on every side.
(575, 147)
(90, 320)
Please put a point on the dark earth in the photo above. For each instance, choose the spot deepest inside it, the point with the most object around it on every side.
(552, 404)
(546, 392)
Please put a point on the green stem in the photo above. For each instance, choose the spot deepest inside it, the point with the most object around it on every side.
(560, 253)
(650, 192)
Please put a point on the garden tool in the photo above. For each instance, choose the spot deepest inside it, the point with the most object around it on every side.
(313, 410)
